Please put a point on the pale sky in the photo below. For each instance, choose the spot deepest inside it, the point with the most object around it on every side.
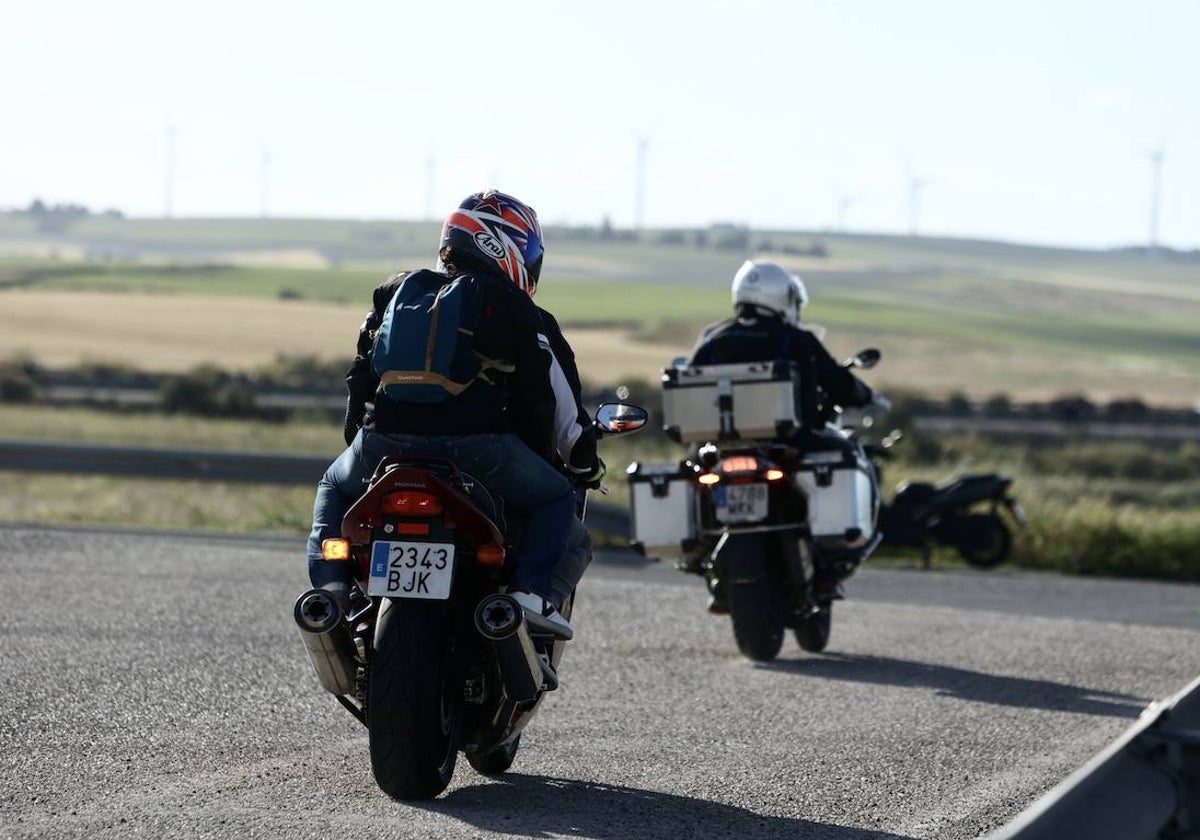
(1032, 120)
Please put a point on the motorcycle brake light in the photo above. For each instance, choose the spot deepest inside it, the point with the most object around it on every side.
(411, 503)
(739, 463)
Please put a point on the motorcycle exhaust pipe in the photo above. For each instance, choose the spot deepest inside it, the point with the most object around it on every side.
(501, 621)
(326, 637)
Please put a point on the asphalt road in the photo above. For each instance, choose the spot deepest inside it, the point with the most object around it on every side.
(154, 686)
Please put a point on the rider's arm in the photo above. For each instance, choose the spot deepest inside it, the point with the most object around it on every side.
(532, 398)
(843, 387)
(575, 440)
(361, 381)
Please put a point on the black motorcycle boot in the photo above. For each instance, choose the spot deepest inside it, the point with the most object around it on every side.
(827, 586)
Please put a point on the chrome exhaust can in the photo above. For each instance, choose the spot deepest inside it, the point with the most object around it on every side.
(326, 637)
(501, 621)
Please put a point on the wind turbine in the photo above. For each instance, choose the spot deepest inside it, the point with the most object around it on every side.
(169, 172)
(430, 175)
(915, 183)
(1157, 158)
(265, 183)
(845, 202)
(639, 201)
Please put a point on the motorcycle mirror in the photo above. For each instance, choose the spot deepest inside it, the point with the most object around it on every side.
(865, 359)
(619, 418)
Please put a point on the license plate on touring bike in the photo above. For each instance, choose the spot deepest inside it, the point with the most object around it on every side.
(742, 503)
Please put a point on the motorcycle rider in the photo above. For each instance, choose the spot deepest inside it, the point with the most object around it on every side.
(767, 300)
(500, 429)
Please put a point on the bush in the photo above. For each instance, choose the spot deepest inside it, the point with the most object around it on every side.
(18, 379)
(17, 386)
(208, 392)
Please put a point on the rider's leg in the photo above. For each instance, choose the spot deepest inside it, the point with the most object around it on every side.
(336, 491)
(569, 572)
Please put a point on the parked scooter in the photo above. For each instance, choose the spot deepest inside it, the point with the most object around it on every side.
(923, 515)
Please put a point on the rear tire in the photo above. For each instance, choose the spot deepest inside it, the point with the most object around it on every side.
(754, 586)
(412, 702)
(812, 633)
(497, 760)
(982, 539)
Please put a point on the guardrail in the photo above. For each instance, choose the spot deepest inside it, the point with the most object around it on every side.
(211, 465)
(1144, 786)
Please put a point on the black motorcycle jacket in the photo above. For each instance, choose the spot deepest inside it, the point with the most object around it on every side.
(520, 402)
(756, 334)
(575, 439)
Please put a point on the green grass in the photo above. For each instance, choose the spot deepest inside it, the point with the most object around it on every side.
(333, 284)
(1168, 336)
(163, 505)
(106, 428)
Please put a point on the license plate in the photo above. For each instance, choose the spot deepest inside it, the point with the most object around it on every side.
(411, 570)
(742, 503)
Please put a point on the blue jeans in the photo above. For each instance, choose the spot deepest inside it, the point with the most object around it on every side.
(505, 465)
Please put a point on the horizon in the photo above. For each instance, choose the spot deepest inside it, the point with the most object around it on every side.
(1116, 247)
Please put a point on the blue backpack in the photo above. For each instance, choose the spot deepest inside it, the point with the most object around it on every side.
(424, 349)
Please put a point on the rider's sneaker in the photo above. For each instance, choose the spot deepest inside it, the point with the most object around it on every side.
(542, 616)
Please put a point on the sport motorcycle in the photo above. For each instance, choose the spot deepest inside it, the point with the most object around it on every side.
(432, 656)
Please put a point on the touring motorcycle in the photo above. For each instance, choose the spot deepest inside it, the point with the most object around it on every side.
(433, 657)
(760, 505)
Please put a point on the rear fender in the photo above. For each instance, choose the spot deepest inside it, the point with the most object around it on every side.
(471, 526)
(743, 558)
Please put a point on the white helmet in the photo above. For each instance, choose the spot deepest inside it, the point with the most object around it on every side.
(771, 286)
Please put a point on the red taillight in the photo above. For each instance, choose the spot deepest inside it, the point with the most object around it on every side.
(411, 503)
(739, 463)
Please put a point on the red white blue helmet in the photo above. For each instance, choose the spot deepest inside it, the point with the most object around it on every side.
(495, 232)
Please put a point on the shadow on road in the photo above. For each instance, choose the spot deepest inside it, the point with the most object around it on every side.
(965, 684)
(538, 806)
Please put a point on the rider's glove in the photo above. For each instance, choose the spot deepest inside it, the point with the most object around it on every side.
(881, 402)
(592, 479)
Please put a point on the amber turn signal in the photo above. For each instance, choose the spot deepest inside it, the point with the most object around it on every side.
(490, 555)
(335, 550)
(709, 478)
(774, 474)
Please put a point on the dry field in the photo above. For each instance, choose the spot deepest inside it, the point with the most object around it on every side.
(170, 332)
